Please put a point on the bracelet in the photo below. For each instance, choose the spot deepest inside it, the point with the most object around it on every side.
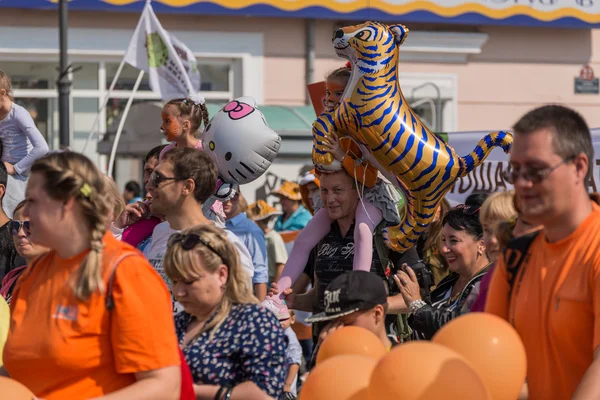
(228, 393)
(220, 392)
(415, 305)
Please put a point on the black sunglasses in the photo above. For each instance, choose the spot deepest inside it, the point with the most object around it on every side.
(15, 227)
(467, 210)
(157, 179)
(189, 241)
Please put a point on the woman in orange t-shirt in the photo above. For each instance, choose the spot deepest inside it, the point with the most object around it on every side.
(91, 317)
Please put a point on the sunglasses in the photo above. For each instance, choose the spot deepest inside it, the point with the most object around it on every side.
(189, 241)
(157, 179)
(15, 227)
(467, 210)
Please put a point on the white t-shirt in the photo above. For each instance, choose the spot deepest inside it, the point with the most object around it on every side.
(155, 253)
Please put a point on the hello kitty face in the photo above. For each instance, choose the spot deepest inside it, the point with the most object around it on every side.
(240, 141)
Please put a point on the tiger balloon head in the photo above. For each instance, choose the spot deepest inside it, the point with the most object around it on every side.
(368, 46)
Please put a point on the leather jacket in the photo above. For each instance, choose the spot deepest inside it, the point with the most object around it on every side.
(427, 320)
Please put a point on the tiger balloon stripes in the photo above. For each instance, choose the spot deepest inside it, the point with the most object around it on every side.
(375, 113)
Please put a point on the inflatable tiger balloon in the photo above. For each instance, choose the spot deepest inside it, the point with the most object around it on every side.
(375, 113)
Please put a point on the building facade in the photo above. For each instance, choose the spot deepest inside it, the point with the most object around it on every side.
(465, 65)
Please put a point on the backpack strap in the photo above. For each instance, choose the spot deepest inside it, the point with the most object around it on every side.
(516, 255)
(109, 301)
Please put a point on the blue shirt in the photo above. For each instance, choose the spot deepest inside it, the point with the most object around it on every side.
(297, 221)
(254, 239)
(248, 346)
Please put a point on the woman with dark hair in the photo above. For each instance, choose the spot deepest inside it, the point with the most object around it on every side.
(463, 248)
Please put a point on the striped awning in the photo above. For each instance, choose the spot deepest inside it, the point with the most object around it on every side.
(562, 13)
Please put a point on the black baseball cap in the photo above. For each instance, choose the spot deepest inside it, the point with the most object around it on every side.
(351, 292)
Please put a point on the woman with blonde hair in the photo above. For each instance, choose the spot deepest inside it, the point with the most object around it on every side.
(497, 208)
(235, 348)
(91, 318)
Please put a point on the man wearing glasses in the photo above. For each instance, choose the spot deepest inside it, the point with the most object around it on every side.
(553, 297)
(181, 182)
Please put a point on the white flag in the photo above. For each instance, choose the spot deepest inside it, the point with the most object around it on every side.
(152, 49)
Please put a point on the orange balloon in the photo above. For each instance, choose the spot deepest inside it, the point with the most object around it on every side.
(344, 377)
(425, 371)
(494, 348)
(13, 390)
(351, 340)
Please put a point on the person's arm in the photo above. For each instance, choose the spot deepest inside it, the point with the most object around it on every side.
(159, 384)
(40, 147)
(589, 387)
(301, 284)
(245, 258)
(278, 271)
(387, 174)
(304, 302)
(260, 291)
(497, 301)
(244, 391)
(258, 248)
(291, 377)
(396, 305)
(365, 172)
(280, 255)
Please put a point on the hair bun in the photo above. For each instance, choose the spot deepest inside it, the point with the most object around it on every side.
(197, 99)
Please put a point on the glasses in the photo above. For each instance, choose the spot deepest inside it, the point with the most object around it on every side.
(467, 210)
(535, 175)
(189, 241)
(15, 227)
(157, 179)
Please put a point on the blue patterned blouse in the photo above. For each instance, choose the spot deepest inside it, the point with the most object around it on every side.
(248, 346)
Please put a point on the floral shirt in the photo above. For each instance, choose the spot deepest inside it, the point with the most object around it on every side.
(248, 346)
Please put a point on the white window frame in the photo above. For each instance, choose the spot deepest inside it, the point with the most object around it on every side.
(101, 58)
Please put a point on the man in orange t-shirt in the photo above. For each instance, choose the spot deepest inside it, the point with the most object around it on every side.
(554, 299)
(62, 348)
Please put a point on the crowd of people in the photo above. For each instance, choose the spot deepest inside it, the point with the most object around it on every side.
(157, 296)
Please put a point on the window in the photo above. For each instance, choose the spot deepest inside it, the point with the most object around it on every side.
(25, 75)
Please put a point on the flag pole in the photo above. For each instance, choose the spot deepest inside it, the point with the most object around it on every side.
(103, 105)
(112, 86)
(113, 152)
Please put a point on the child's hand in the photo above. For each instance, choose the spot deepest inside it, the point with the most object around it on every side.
(10, 169)
(333, 146)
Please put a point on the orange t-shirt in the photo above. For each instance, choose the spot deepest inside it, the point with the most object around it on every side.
(555, 307)
(61, 348)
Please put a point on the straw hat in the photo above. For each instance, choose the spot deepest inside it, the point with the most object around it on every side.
(261, 210)
(288, 189)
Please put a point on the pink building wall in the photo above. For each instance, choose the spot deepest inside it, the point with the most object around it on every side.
(517, 69)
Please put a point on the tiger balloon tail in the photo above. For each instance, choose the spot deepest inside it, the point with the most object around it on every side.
(375, 113)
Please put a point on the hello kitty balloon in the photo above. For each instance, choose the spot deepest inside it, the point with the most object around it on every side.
(240, 141)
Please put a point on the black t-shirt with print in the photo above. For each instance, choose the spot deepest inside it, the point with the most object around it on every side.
(8, 254)
(334, 256)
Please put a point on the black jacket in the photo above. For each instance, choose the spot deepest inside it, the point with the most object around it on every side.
(427, 320)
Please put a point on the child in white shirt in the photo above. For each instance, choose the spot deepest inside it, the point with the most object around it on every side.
(22, 144)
